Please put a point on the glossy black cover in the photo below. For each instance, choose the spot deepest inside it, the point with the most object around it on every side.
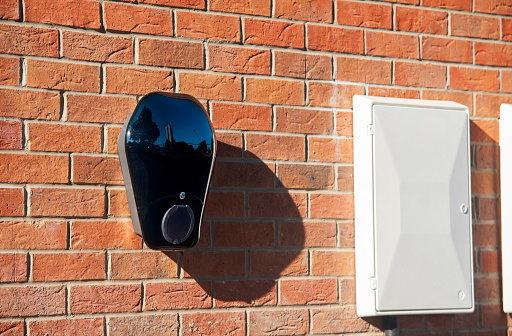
(170, 150)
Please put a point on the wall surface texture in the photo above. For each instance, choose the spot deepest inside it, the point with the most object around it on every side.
(276, 256)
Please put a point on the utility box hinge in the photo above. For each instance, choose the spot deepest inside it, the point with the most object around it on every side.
(369, 129)
(373, 283)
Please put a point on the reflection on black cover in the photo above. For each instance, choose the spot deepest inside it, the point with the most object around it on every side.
(169, 145)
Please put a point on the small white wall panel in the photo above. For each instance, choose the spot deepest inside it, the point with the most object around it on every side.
(506, 200)
(412, 207)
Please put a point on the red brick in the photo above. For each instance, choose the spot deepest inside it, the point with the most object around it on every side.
(142, 265)
(225, 204)
(279, 322)
(251, 7)
(76, 326)
(318, 67)
(278, 263)
(176, 54)
(40, 235)
(243, 234)
(118, 203)
(213, 324)
(327, 94)
(307, 292)
(471, 25)
(63, 76)
(274, 91)
(104, 298)
(484, 130)
(96, 170)
(103, 109)
(10, 70)
(335, 206)
(485, 156)
(492, 6)
(328, 38)
(244, 175)
(198, 4)
(346, 234)
(14, 268)
(9, 9)
(208, 86)
(363, 70)
(485, 182)
(506, 81)
(421, 20)
(345, 178)
(474, 79)
(104, 235)
(11, 134)
(112, 137)
(241, 116)
(12, 328)
(344, 123)
(330, 149)
(29, 104)
(177, 295)
(372, 15)
(68, 266)
(32, 301)
(449, 4)
(492, 317)
(300, 120)
(33, 168)
(213, 264)
(275, 147)
(488, 53)
(67, 202)
(446, 321)
(338, 320)
(137, 81)
(506, 29)
(392, 44)
(447, 49)
(290, 64)
(208, 26)
(277, 205)
(274, 33)
(393, 92)
(307, 234)
(307, 10)
(490, 263)
(339, 263)
(64, 138)
(486, 235)
(20, 40)
(95, 47)
(304, 176)
(420, 74)
(488, 105)
(229, 144)
(137, 19)
(488, 209)
(239, 60)
(241, 293)
(75, 13)
(464, 98)
(347, 291)
(155, 325)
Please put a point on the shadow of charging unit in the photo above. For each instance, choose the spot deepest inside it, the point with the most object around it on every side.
(167, 151)
(414, 252)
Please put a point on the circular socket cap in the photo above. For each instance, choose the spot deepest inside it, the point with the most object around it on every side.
(177, 224)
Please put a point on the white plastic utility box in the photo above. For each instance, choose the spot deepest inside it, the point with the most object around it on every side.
(506, 200)
(414, 252)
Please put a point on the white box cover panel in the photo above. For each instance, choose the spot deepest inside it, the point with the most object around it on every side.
(412, 207)
(506, 200)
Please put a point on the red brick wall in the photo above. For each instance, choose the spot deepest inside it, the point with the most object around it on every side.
(276, 255)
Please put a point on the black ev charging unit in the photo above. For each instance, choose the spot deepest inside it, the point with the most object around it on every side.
(167, 151)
